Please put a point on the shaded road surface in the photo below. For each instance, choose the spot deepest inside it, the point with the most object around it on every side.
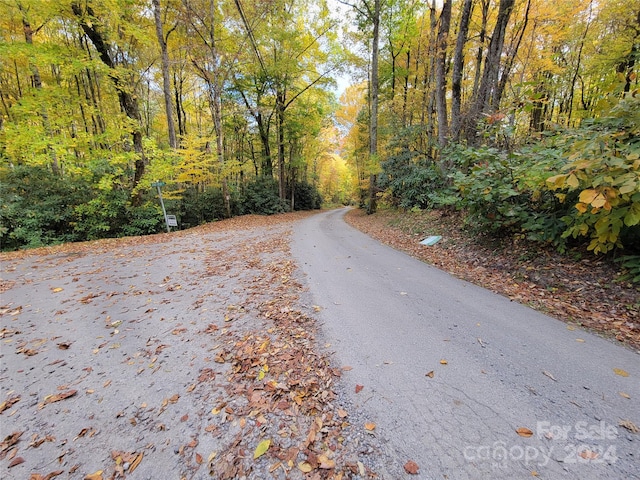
(497, 367)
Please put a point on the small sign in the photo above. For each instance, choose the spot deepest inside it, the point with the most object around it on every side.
(158, 184)
(171, 221)
(432, 240)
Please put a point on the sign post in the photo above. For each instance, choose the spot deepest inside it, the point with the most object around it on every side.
(158, 184)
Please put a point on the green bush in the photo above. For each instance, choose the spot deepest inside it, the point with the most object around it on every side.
(37, 208)
(306, 197)
(414, 181)
(261, 197)
(601, 179)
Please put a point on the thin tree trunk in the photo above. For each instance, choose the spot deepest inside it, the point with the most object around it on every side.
(166, 82)
(506, 72)
(441, 83)
(373, 127)
(456, 78)
(489, 83)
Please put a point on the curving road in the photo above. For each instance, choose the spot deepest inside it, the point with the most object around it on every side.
(497, 366)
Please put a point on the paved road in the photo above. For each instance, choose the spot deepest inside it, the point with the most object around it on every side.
(394, 319)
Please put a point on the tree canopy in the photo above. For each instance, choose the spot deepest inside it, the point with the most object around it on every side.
(501, 108)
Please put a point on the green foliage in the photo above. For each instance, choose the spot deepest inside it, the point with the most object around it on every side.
(198, 207)
(261, 197)
(414, 181)
(631, 263)
(37, 208)
(504, 193)
(603, 168)
(306, 197)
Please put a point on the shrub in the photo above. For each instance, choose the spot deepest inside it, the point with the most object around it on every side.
(603, 172)
(261, 197)
(306, 197)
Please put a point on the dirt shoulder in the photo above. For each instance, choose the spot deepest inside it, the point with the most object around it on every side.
(182, 355)
(583, 292)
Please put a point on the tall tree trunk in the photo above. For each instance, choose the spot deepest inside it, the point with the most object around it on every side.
(480, 54)
(576, 71)
(506, 72)
(441, 66)
(456, 77)
(127, 99)
(373, 125)
(489, 82)
(37, 83)
(166, 82)
(280, 109)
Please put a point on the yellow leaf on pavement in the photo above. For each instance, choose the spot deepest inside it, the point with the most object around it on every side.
(94, 476)
(619, 371)
(261, 449)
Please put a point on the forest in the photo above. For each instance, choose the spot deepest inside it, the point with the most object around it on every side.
(521, 114)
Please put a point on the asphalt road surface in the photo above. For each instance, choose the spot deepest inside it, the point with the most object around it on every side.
(451, 373)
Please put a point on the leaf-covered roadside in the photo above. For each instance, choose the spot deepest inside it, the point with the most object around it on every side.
(183, 355)
(581, 291)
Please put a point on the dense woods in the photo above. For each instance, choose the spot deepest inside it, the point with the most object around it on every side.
(521, 113)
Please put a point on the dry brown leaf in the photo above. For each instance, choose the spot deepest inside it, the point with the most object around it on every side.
(430, 374)
(15, 461)
(60, 396)
(342, 413)
(136, 462)
(629, 425)
(8, 403)
(588, 454)
(443, 362)
(347, 368)
(411, 467)
(359, 388)
(625, 395)
(370, 426)
(524, 432)
(619, 371)
(94, 476)
(305, 467)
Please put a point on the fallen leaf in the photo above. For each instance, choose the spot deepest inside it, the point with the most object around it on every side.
(370, 426)
(580, 340)
(8, 403)
(136, 462)
(619, 371)
(261, 449)
(544, 372)
(198, 458)
(359, 388)
(346, 368)
(94, 476)
(325, 462)
(342, 413)
(305, 467)
(588, 454)
(430, 374)
(56, 398)
(629, 425)
(411, 467)
(625, 395)
(16, 461)
(524, 432)
(443, 362)
(57, 289)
